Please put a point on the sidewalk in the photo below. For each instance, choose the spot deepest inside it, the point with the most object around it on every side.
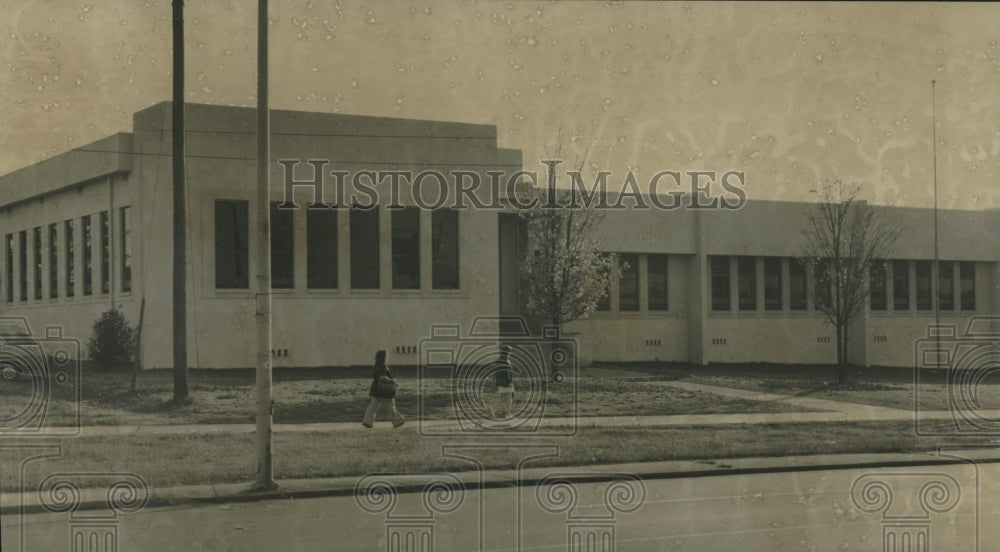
(191, 495)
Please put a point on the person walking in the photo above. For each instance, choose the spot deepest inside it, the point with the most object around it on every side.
(382, 391)
(504, 381)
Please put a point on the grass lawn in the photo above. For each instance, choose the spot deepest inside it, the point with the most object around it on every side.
(886, 387)
(204, 459)
(311, 396)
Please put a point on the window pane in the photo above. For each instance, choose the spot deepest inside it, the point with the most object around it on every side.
(126, 247)
(282, 248)
(406, 248)
(444, 247)
(604, 303)
(797, 293)
(628, 284)
(36, 249)
(967, 281)
(923, 282)
(656, 271)
(321, 246)
(9, 272)
(747, 283)
(68, 236)
(53, 261)
(364, 248)
(946, 285)
(22, 255)
(231, 245)
(823, 278)
(877, 288)
(88, 257)
(772, 283)
(105, 252)
(900, 285)
(719, 267)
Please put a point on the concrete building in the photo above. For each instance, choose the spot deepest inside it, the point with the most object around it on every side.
(91, 229)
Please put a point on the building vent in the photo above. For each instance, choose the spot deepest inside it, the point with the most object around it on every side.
(718, 341)
(823, 339)
(405, 349)
(653, 342)
(279, 353)
(880, 338)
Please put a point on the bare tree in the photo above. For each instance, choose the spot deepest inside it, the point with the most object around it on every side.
(564, 275)
(844, 238)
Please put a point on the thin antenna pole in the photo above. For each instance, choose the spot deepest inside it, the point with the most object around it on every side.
(937, 268)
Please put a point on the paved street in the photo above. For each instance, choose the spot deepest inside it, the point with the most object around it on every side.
(790, 511)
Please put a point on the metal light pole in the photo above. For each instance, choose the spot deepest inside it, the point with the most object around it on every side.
(937, 266)
(180, 212)
(265, 473)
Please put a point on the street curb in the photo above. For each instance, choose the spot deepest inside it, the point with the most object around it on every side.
(496, 479)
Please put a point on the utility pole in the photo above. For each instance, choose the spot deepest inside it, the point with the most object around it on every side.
(265, 471)
(180, 213)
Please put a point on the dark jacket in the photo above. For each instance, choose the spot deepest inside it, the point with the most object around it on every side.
(377, 372)
(502, 373)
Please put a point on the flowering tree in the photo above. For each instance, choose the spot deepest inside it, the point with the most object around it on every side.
(844, 238)
(564, 275)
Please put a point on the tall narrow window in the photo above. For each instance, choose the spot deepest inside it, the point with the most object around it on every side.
(406, 248)
(321, 249)
(877, 295)
(364, 248)
(36, 250)
(53, 261)
(746, 268)
(922, 279)
(125, 223)
(900, 285)
(719, 267)
(69, 228)
(772, 283)
(231, 244)
(105, 252)
(823, 276)
(967, 281)
(444, 249)
(656, 282)
(798, 297)
(946, 285)
(9, 272)
(282, 248)
(604, 303)
(88, 256)
(22, 257)
(628, 284)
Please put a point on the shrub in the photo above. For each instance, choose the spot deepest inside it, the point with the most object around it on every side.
(112, 344)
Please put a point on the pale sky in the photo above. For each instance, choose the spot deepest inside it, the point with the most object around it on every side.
(788, 93)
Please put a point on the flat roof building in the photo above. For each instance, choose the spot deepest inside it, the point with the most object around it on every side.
(91, 228)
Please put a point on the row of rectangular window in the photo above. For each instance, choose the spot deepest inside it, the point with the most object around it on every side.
(629, 283)
(798, 284)
(62, 244)
(232, 247)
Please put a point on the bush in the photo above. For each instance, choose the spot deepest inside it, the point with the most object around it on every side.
(112, 345)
